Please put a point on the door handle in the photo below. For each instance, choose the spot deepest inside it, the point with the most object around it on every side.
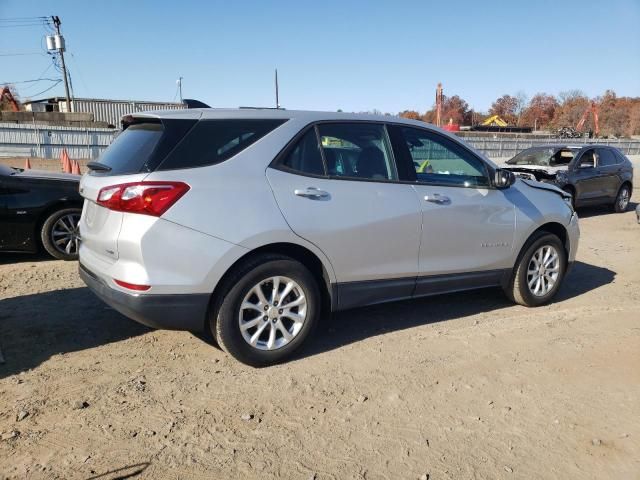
(437, 198)
(312, 193)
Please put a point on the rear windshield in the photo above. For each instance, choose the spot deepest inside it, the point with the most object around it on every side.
(132, 148)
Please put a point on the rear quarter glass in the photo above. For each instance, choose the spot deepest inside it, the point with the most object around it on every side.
(214, 141)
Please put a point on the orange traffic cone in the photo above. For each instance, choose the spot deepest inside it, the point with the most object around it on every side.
(66, 161)
(75, 167)
(27, 164)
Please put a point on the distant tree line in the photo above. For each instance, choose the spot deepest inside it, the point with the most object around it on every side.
(618, 116)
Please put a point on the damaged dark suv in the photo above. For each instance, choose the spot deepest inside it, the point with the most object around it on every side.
(592, 174)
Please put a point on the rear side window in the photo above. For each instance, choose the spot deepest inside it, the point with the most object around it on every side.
(607, 157)
(132, 149)
(305, 157)
(357, 150)
(214, 141)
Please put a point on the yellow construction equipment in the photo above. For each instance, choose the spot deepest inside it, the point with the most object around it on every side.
(494, 121)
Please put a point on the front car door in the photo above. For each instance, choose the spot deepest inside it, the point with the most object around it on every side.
(467, 225)
(586, 177)
(337, 186)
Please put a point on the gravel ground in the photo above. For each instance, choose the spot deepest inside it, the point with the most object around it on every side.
(457, 386)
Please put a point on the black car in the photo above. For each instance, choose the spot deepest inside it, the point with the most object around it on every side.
(592, 174)
(39, 209)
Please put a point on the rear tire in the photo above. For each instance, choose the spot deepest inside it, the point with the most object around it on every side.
(255, 326)
(59, 234)
(539, 271)
(622, 199)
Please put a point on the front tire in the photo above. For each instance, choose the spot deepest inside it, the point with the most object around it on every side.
(59, 234)
(539, 271)
(267, 309)
(622, 199)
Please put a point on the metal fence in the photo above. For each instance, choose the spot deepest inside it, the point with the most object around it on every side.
(505, 147)
(44, 141)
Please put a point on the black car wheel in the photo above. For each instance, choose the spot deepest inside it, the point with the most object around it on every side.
(59, 234)
(622, 199)
(539, 271)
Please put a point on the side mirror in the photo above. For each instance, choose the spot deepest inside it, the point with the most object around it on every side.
(504, 178)
(590, 163)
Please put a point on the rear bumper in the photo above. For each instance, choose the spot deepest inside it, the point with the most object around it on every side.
(173, 312)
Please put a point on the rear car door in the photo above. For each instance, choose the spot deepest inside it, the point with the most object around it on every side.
(467, 226)
(337, 186)
(609, 171)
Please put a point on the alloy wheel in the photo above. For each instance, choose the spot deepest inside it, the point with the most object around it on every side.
(543, 270)
(272, 313)
(623, 199)
(65, 235)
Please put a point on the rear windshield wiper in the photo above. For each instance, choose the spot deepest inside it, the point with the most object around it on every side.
(98, 167)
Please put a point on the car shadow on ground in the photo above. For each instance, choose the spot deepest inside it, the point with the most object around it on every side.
(34, 328)
(352, 326)
(7, 258)
(596, 211)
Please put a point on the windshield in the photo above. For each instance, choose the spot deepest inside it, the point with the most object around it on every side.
(545, 157)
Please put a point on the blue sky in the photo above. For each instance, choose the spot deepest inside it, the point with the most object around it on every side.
(353, 55)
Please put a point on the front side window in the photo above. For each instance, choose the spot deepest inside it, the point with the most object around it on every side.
(436, 159)
(357, 150)
(305, 157)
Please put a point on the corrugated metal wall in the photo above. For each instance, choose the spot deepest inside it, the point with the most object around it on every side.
(112, 111)
(44, 141)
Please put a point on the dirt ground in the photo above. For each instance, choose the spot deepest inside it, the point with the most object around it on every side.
(463, 386)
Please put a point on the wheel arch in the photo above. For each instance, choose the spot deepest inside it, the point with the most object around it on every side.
(554, 228)
(295, 251)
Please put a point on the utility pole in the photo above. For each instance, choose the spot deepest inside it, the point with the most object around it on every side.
(60, 45)
(277, 97)
(180, 87)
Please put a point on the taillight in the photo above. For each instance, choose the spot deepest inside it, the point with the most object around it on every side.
(148, 198)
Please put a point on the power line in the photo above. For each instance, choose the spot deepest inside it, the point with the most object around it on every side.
(19, 54)
(44, 91)
(21, 19)
(32, 81)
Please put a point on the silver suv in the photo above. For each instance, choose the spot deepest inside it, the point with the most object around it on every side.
(250, 223)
